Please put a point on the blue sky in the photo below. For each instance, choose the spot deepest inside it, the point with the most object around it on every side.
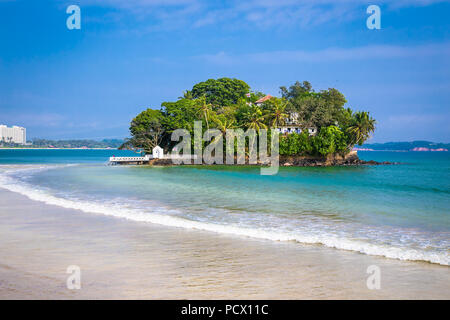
(130, 55)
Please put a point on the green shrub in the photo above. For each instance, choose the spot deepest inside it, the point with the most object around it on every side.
(295, 144)
(329, 140)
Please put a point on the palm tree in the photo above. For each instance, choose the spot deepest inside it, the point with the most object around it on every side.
(187, 95)
(277, 112)
(361, 127)
(254, 119)
(204, 109)
(223, 123)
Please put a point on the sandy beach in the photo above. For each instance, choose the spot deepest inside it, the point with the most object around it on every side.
(122, 259)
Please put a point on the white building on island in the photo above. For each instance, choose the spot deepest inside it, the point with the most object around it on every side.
(295, 129)
(259, 102)
(292, 123)
(158, 152)
(14, 134)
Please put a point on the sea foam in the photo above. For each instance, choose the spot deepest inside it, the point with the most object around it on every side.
(159, 216)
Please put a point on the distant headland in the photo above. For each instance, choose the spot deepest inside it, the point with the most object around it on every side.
(66, 144)
(406, 146)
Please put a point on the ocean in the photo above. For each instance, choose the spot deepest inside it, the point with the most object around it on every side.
(398, 211)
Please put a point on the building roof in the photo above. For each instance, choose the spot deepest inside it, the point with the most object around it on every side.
(264, 99)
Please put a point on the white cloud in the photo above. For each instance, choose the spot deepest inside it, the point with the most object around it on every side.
(330, 54)
(258, 13)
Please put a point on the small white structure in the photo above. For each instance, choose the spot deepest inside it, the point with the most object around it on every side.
(158, 152)
(312, 131)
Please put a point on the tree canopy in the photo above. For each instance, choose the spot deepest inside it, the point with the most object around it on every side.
(221, 92)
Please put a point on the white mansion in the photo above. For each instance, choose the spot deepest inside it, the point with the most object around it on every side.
(291, 125)
(14, 134)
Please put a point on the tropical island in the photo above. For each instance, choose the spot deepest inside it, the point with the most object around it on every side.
(315, 128)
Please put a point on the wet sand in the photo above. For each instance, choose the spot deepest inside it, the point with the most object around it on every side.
(122, 259)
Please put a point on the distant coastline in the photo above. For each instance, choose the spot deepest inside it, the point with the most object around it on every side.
(66, 144)
(413, 146)
(390, 150)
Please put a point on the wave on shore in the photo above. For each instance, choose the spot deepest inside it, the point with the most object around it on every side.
(159, 215)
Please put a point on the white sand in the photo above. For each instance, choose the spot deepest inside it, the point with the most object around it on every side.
(130, 260)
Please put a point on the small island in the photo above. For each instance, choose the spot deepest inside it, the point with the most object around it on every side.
(315, 128)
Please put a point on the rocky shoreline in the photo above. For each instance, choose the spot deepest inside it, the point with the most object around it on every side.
(351, 159)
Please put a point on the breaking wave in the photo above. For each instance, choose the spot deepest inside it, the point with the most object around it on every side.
(160, 215)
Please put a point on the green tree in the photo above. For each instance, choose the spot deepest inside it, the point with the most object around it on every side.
(180, 114)
(187, 95)
(335, 102)
(254, 119)
(277, 111)
(313, 111)
(318, 109)
(329, 140)
(204, 109)
(296, 144)
(296, 90)
(221, 92)
(223, 123)
(147, 131)
(361, 127)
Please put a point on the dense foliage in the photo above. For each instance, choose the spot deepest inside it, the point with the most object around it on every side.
(221, 92)
(228, 104)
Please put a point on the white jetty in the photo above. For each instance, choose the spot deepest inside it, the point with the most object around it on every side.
(157, 153)
(130, 160)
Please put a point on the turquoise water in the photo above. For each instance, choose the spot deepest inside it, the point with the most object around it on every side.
(45, 156)
(398, 211)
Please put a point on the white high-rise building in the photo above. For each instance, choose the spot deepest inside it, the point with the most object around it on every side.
(14, 134)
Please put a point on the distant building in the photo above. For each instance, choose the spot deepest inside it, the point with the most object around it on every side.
(263, 99)
(14, 134)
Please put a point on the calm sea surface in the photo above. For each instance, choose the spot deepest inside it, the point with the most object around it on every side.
(396, 211)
